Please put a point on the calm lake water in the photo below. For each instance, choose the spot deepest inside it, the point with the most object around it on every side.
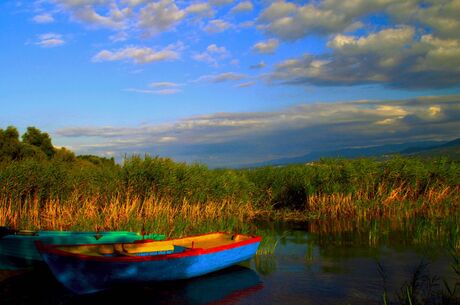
(311, 264)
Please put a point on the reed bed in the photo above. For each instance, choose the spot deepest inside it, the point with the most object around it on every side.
(133, 212)
(130, 213)
(177, 199)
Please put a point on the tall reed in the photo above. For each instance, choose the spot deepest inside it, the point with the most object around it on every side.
(158, 192)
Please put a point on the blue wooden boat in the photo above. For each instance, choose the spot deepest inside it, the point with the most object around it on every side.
(17, 248)
(91, 268)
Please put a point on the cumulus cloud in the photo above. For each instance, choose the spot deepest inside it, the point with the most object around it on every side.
(118, 37)
(221, 2)
(50, 40)
(217, 26)
(159, 16)
(259, 65)
(236, 138)
(138, 55)
(164, 85)
(159, 88)
(213, 55)
(245, 85)
(43, 18)
(245, 6)
(110, 16)
(222, 77)
(394, 57)
(201, 9)
(164, 91)
(266, 47)
(440, 16)
(291, 21)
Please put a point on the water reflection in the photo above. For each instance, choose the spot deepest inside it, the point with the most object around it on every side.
(224, 287)
(311, 263)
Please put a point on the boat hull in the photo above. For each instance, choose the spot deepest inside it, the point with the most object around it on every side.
(87, 276)
(21, 248)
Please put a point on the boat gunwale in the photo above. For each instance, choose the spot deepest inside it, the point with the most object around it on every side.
(53, 249)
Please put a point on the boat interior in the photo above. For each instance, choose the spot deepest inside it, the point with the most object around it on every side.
(148, 248)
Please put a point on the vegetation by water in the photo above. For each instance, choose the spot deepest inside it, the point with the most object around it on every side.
(42, 187)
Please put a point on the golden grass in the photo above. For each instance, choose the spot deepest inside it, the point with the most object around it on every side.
(117, 214)
(401, 202)
(160, 215)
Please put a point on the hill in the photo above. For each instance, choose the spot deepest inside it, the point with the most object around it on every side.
(450, 149)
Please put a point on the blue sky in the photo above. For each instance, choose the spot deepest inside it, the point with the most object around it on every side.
(230, 82)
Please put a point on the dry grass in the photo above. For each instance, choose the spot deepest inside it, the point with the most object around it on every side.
(153, 214)
(130, 212)
(401, 202)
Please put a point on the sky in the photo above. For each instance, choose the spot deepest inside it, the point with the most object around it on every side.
(229, 83)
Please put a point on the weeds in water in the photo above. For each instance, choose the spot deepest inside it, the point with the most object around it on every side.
(423, 289)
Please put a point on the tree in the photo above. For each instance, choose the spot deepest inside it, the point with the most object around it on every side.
(31, 152)
(9, 144)
(65, 155)
(35, 137)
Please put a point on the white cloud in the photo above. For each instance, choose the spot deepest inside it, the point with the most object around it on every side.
(50, 40)
(245, 6)
(134, 3)
(157, 17)
(118, 37)
(43, 18)
(266, 47)
(167, 91)
(289, 21)
(221, 2)
(296, 130)
(217, 26)
(139, 55)
(222, 77)
(164, 85)
(245, 85)
(201, 9)
(110, 16)
(213, 55)
(395, 57)
(259, 65)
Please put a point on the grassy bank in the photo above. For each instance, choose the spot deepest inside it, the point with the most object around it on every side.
(177, 197)
(42, 187)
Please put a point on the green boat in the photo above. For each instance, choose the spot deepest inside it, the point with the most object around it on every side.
(17, 248)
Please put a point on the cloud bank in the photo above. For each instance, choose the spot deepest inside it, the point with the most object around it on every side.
(227, 139)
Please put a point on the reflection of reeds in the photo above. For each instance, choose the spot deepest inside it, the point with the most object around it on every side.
(387, 231)
(422, 288)
(265, 264)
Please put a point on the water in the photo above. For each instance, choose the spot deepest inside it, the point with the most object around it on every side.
(311, 264)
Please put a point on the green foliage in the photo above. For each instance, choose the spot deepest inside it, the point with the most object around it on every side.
(35, 137)
(28, 171)
(10, 147)
(64, 154)
(96, 160)
(35, 144)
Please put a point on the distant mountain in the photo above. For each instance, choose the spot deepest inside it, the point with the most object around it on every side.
(416, 149)
(450, 149)
(425, 148)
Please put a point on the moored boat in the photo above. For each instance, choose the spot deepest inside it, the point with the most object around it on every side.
(95, 267)
(19, 246)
